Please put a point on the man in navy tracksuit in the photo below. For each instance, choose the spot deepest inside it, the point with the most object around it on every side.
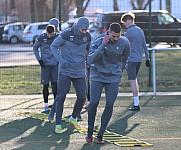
(47, 61)
(108, 57)
(70, 49)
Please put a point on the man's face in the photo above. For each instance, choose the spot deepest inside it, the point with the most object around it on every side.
(50, 35)
(113, 36)
(83, 31)
(127, 23)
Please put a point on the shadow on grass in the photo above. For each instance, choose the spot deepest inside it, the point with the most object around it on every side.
(30, 133)
(121, 125)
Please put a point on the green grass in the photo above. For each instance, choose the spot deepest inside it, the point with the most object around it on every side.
(26, 79)
(20, 80)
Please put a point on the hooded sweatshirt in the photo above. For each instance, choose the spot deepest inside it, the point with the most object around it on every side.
(138, 44)
(43, 43)
(74, 46)
(108, 59)
(55, 22)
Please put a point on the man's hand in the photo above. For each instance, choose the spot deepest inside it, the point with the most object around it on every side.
(106, 39)
(148, 64)
(42, 63)
(64, 64)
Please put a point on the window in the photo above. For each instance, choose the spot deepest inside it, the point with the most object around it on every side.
(165, 19)
(42, 27)
(17, 27)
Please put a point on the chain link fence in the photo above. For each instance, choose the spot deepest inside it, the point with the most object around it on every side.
(20, 72)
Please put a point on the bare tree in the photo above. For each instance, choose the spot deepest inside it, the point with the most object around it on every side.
(168, 5)
(80, 7)
(139, 4)
(115, 5)
(12, 4)
(67, 7)
(43, 10)
(54, 8)
(32, 5)
(39, 10)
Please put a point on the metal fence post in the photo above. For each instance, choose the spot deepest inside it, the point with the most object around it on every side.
(150, 37)
(60, 14)
(154, 72)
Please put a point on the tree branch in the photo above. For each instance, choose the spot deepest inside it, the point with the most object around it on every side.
(87, 3)
(147, 3)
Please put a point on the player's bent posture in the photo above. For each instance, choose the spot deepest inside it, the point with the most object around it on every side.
(70, 49)
(48, 63)
(108, 57)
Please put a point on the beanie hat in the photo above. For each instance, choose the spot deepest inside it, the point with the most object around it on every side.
(83, 23)
(55, 22)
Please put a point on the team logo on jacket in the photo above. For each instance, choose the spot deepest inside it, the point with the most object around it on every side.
(85, 39)
(71, 38)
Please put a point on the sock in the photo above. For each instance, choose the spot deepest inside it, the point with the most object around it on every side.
(71, 118)
(45, 104)
(58, 125)
(136, 100)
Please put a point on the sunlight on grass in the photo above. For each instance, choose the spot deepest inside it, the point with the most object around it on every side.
(26, 79)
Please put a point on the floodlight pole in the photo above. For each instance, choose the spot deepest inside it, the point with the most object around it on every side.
(60, 14)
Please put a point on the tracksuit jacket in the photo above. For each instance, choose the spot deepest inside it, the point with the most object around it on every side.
(138, 44)
(74, 48)
(46, 55)
(108, 59)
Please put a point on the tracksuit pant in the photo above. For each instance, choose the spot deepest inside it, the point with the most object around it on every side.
(111, 91)
(64, 84)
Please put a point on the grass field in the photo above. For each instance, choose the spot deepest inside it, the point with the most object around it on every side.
(26, 79)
